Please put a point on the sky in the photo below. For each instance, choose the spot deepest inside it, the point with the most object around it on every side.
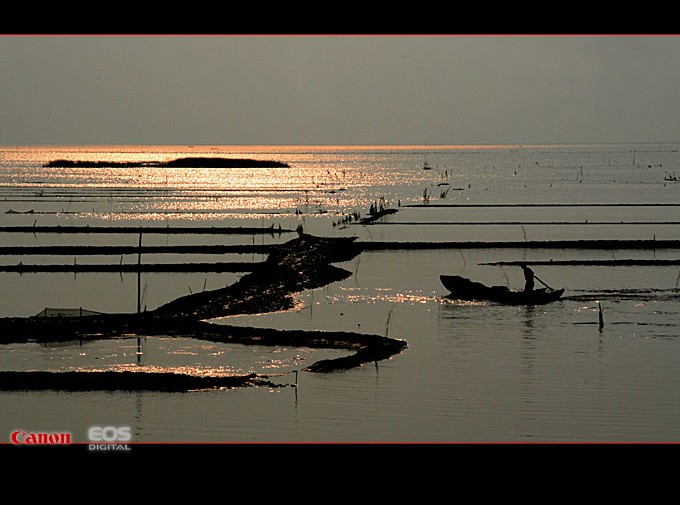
(344, 89)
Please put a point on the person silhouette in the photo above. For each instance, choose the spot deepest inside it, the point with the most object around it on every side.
(528, 278)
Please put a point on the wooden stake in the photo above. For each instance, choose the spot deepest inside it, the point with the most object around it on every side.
(601, 319)
(139, 275)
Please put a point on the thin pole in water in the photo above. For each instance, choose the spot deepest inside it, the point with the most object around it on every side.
(601, 319)
(139, 295)
(139, 275)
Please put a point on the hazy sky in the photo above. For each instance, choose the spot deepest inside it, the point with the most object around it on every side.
(304, 89)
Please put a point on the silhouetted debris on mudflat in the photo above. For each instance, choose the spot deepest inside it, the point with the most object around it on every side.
(300, 264)
(192, 162)
(376, 215)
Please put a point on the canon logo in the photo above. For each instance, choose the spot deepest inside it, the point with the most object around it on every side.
(21, 437)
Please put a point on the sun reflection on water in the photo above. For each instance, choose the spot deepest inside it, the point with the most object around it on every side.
(332, 180)
(382, 295)
(162, 355)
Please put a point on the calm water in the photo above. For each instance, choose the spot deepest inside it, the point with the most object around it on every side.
(472, 372)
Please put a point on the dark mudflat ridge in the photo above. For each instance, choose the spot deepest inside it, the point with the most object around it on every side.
(596, 244)
(249, 266)
(129, 267)
(192, 162)
(158, 230)
(123, 381)
(116, 250)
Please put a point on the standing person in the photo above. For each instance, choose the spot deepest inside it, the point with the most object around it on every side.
(528, 278)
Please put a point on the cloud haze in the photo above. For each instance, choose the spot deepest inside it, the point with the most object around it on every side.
(304, 89)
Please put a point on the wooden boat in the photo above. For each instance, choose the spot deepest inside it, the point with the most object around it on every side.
(465, 289)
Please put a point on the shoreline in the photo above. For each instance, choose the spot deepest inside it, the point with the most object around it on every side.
(301, 264)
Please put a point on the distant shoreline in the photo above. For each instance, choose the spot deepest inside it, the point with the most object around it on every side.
(191, 162)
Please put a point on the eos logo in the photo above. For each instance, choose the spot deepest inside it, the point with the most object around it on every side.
(111, 436)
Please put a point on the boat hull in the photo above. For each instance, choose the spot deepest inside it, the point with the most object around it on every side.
(465, 289)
